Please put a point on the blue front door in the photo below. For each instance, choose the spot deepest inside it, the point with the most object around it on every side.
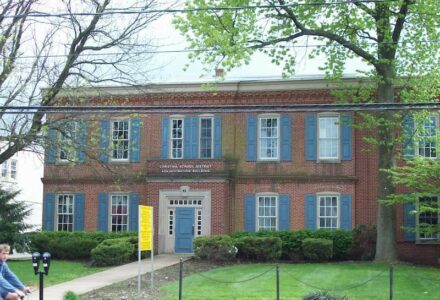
(184, 230)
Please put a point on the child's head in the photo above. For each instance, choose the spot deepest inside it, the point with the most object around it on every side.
(4, 251)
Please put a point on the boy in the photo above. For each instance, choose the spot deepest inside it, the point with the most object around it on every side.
(11, 287)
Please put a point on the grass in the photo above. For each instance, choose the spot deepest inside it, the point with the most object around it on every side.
(296, 280)
(60, 271)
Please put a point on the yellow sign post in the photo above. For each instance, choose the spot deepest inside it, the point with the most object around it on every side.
(145, 238)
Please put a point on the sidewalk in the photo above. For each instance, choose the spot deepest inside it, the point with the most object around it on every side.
(98, 280)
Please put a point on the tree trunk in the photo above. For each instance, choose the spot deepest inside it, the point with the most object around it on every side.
(386, 214)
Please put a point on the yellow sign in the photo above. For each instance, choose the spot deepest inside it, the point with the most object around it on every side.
(146, 227)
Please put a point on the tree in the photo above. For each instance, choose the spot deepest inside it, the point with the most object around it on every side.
(398, 39)
(12, 215)
(69, 43)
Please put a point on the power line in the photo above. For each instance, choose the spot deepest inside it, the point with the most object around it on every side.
(156, 109)
(185, 10)
(212, 49)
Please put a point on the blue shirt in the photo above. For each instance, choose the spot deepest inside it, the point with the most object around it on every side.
(8, 280)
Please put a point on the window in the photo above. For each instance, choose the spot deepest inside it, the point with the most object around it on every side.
(68, 135)
(427, 139)
(328, 137)
(171, 222)
(328, 212)
(268, 128)
(119, 213)
(428, 219)
(267, 213)
(4, 169)
(177, 138)
(206, 137)
(13, 169)
(65, 212)
(120, 140)
(199, 222)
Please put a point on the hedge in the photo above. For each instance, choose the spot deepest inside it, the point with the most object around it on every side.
(216, 248)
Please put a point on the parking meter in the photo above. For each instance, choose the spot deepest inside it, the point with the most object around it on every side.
(46, 262)
(36, 261)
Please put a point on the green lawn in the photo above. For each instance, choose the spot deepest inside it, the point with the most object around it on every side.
(60, 271)
(410, 282)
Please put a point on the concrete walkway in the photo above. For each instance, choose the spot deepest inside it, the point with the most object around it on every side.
(98, 280)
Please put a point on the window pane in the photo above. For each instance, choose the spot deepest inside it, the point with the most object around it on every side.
(328, 135)
(268, 143)
(120, 140)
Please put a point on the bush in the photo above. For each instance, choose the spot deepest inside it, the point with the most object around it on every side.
(240, 234)
(216, 248)
(323, 296)
(317, 249)
(364, 242)
(259, 248)
(112, 253)
(291, 241)
(342, 241)
(71, 245)
(70, 296)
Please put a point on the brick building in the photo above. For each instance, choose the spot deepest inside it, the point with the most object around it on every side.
(208, 174)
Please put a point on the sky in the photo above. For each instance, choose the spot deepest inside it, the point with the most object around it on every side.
(171, 65)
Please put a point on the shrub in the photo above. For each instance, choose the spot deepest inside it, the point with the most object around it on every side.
(364, 242)
(323, 296)
(240, 234)
(291, 241)
(71, 245)
(69, 295)
(112, 253)
(216, 248)
(342, 241)
(317, 249)
(259, 248)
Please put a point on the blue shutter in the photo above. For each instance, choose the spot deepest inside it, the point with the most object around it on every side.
(217, 137)
(346, 133)
(409, 221)
(408, 133)
(135, 140)
(49, 211)
(284, 212)
(51, 151)
(104, 141)
(346, 212)
(310, 136)
(310, 211)
(249, 212)
(134, 212)
(251, 138)
(79, 212)
(103, 212)
(286, 138)
(165, 138)
(191, 138)
(82, 141)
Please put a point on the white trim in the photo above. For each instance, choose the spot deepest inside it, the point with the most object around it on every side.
(268, 116)
(109, 213)
(57, 195)
(170, 154)
(205, 117)
(74, 142)
(338, 143)
(111, 140)
(426, 240)
(417, 140)
(257, 204)
(338, 206)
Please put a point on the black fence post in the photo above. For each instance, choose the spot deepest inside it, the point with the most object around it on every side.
(391, 281)
(180, 278)
(278, 282)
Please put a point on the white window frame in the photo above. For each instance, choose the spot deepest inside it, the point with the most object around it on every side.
(318, 210)
(172, 119)
(14, 170)
(57, 214)
(268, 116)
(204, 117)
(128, 140)
(420, 138)
(69, 143)
(127, 225)
(418, 235)
(338, 138)
(258, 196)
(4, 170)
